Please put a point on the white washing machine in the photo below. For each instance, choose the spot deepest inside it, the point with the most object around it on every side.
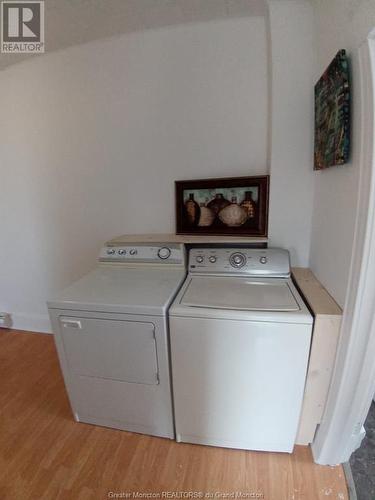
(240, 339)
(111, 335)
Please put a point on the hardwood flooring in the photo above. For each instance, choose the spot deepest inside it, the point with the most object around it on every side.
(45, 455)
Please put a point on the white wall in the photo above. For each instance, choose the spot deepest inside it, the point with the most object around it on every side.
(93, 137)
(340, 24)
(291, 147)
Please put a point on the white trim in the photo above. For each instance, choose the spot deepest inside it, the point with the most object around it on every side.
(350, 481)
(353, 382)
(31, 322)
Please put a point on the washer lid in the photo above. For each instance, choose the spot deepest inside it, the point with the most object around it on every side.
(242, 294)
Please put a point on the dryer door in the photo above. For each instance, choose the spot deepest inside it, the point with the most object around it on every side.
(110, 349)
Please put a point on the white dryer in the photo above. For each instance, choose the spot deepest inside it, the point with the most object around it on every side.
(111, 335)
(240, 339)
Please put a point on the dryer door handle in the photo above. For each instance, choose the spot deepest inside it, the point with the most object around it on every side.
(70, 323)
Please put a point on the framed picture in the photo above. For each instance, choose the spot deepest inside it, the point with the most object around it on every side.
(236, 206)
(332, 114)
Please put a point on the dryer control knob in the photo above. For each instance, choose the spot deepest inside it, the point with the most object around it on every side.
(133, 251)
(237, 259)
(263, 260)
(213, 259)
(199, 259)
(164, 253)
(110, 251)
(122, 251)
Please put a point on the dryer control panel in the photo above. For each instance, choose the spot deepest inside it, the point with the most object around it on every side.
(153, 254)
(272, 262)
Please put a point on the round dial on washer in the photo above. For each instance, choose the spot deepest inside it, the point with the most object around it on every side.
(263, 260)
(110, 251)
(122, 251)
(213, 259)
(237, 259)
(199, 259)
(164, 253)
(133, 251)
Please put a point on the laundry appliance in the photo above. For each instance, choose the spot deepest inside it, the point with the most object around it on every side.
(111, 334)
(240, 339)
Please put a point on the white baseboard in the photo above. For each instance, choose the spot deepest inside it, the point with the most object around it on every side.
(31, 322)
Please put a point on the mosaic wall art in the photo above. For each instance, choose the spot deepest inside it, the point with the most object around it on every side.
(332, 114)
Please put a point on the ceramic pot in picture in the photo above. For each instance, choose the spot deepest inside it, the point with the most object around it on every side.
(218, 203)
(207, 216)
(249, 205)
(233, 215)
(192, 211)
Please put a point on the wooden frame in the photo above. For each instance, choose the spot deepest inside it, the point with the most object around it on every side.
(326, 329)
(203, 207)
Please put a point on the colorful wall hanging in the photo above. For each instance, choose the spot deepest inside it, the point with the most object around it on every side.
(332, 114)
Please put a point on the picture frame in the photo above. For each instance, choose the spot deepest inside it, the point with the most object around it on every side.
(332, 114)
(232, 206)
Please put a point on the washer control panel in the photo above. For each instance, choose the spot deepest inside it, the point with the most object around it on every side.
(156, 253)
(273, 262)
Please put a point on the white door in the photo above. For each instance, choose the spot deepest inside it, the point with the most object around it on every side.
(110, 349)
(116, 369)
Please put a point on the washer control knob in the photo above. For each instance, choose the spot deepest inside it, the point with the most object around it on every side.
(133, 251)
(122, 251)
(164, 253)
(237, 259)
(110, 251)
(199, 259)
(263, 260)
(213, 259)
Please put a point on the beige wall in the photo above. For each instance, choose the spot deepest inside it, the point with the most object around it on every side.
(292, 53)
(340, 24)
(93, 138)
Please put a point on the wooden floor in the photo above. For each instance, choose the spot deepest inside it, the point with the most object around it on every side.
(44, 454)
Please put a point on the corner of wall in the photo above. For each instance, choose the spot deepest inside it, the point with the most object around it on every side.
(291, 37)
